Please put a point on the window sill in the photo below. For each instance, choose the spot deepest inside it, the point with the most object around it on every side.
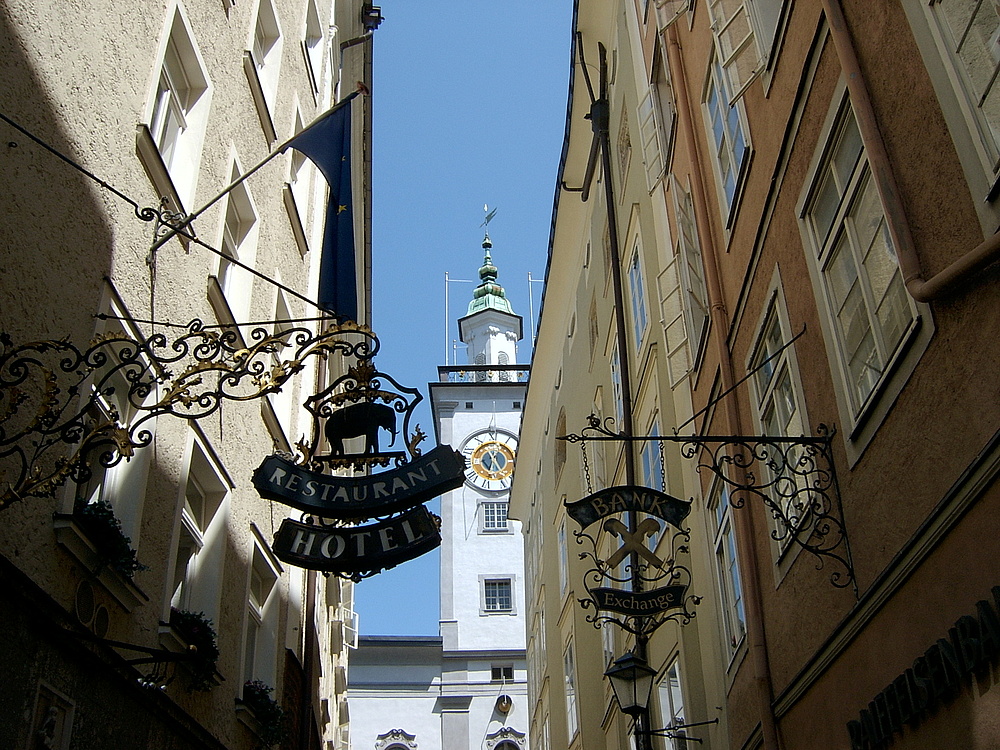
(259, 100)
(72, 539)
(156, 170)
(295, 218)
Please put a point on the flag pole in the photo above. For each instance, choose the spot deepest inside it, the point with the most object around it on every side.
(176, 228)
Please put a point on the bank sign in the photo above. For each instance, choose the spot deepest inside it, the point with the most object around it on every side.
(604, 506)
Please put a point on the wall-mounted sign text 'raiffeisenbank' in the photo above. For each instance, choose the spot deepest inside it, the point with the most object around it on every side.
(972, 645)
(346, 549)
(422, 479)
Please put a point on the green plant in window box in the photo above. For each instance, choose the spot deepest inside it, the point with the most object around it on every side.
(270, 716)
(196, 630)
(98, 521)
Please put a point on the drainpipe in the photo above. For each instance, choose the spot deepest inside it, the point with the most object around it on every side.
(742, 520)
(960, 270)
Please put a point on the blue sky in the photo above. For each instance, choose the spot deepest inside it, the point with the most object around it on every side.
(470, 107)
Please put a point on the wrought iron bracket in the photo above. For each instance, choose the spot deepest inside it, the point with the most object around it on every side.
(794, 478)
(160, 660)
(61, 407)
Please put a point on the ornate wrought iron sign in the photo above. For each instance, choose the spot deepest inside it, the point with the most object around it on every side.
(66, 411)
(793, 477)
(640, 589)
(349, 550)
(351, 414)
(62, 407)
(424, 478)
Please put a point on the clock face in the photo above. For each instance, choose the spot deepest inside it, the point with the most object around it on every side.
(489, 457)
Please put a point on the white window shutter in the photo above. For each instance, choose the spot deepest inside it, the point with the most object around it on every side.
(668, 11)
(738, 50)
(649, 131)
(668, 285)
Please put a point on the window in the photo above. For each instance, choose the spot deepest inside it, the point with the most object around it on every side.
(671, 699)
(668, 11)
(683, 294)
(652, 476)
(502, 673)
(638, 296)
(312, 46)
(746, 33)
(969, 31)
(559, 449)
(657, 117)
(261, 63)
(616, 385)
(239, 242)
(727, 136)
(178, 114)
(569, 690)
(780, 412)
(260, 642)
(122, 487)
(283, 401)
(869, 310)
(563, 558)
(494, 516)
(624, 147)
(498, 595)
(727, 567)
(200, 547)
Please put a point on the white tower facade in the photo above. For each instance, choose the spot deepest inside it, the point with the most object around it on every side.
(468, 687)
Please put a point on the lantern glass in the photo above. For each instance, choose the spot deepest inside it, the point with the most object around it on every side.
(632, 681)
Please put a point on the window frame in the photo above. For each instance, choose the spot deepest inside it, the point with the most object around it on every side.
(729, 577)
(187, 91)
(486, 599)
(670, 693)
(861, 415)
(488, 526)
(739, 164)
(775, 313)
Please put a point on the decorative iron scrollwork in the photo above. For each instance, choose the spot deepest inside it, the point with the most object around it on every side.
(794, 477)
(65, 411)
(663, 584)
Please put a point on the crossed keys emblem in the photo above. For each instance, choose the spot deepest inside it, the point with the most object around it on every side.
(633, 542)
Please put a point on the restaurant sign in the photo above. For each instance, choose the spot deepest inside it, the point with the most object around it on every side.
(423, 479)
(360, 421)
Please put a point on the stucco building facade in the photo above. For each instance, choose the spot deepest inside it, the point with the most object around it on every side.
(109, 109)
(807, 252)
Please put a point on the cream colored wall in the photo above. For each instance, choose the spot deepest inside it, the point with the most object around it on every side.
(82, 78)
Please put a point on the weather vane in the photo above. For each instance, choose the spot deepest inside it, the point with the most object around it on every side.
(489, 215)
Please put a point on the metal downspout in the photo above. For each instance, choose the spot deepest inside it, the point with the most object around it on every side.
(742, 520)
(960, 270)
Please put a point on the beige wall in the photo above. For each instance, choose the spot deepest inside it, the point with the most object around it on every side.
(83, 79)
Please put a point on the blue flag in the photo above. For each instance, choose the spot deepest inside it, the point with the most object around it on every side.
(327, 143)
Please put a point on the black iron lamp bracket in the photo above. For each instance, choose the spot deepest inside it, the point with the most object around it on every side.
(794, 478)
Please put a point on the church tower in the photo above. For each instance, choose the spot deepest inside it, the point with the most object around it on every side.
(477, 410)
(467, 688)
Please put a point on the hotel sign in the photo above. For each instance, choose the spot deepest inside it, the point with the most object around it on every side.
(351, 417)
(348, 549)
